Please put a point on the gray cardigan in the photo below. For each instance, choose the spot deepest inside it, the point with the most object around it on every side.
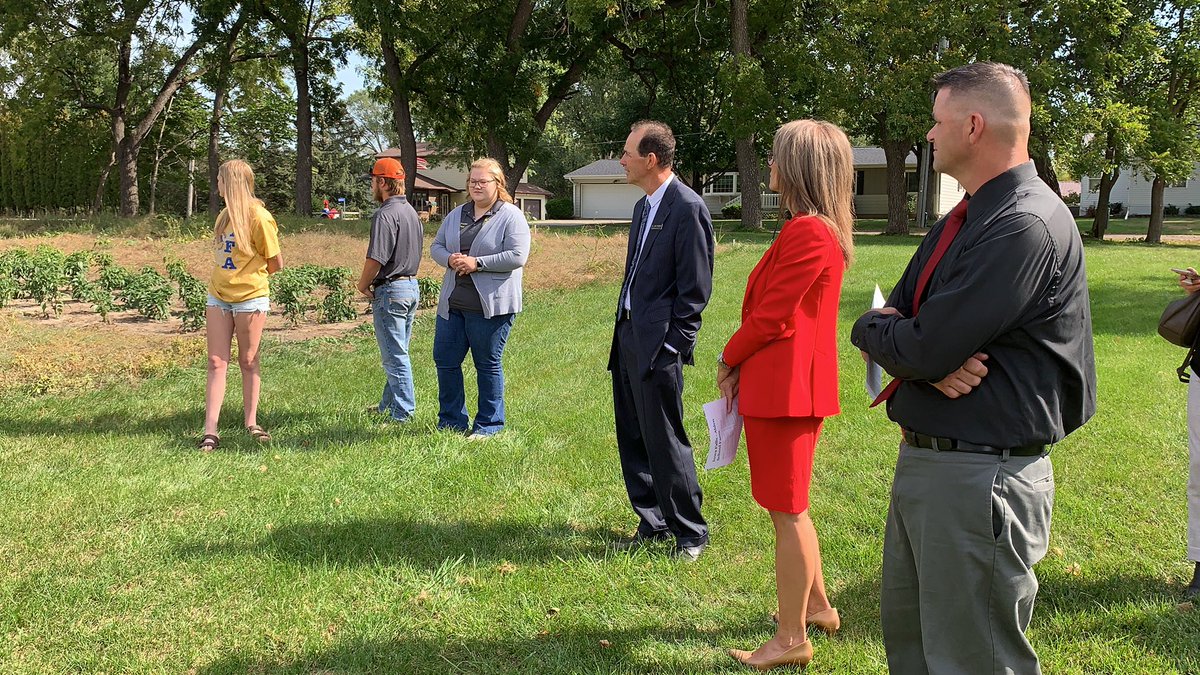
(501, 247)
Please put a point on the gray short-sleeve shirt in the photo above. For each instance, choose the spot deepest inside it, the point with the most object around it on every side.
(396, 239)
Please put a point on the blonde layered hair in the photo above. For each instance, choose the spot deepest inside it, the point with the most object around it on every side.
(814, 171)
(493, 168)
(237, 179)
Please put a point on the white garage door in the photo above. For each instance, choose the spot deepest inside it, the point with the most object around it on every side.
(608, 200)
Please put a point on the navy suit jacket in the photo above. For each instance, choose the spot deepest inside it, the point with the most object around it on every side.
(674, 278)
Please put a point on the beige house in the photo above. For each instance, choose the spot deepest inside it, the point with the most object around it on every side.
(599, 189)
(442, 183)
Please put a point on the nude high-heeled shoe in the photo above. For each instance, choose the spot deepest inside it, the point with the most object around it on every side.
(827, 621)
(800, 655)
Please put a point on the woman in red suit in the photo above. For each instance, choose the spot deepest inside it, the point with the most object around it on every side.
(781, 365)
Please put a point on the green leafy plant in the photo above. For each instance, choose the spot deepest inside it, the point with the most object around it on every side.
(192, 292)
(19, 266)
(47, 278)
(76, 269)
(292, 287)
(113, 277)
(561, 208)
(430, 289)
(102, 301)
(336, 305)
(149, 293)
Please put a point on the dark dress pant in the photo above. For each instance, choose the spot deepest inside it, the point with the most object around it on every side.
(656, 458)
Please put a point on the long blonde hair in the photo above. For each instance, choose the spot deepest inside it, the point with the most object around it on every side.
(493, 168)
(814, 170)
(237, 178)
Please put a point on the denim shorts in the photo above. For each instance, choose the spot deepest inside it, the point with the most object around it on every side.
(262, 304)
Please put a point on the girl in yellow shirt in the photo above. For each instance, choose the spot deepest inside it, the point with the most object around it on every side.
(246, 250)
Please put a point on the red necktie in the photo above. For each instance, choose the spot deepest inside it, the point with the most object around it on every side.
(954, 223)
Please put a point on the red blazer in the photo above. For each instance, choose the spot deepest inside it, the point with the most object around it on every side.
(786, 346)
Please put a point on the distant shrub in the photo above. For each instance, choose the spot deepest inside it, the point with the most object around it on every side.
(1071, 198)
(1170, 210)
(430, 289)
(732, 212)
(1192, 210)
(560, 209)
(1116, 208)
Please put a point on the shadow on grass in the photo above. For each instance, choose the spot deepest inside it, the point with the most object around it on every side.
(427, 545)
(1118, 609)
(291, 429)
(568, 649)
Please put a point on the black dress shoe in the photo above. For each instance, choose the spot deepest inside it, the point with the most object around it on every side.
(639, 540)
(688, 553)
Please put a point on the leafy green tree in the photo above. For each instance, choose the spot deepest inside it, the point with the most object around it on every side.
(312, 32)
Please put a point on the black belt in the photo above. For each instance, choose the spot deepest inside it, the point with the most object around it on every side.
(952, 445)
(394, 277)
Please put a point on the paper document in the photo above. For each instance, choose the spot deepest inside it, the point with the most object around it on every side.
(874, 372)
(724, 433)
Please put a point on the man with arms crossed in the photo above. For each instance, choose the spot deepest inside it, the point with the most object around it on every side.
(668, 279)
(989, 335)
(389, 280)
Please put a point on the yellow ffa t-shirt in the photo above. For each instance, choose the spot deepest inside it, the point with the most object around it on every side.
(239, 276)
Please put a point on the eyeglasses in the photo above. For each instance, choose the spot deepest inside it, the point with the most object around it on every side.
(480, 183)
(770, 158)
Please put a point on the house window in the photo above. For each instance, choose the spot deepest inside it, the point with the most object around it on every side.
(725, 184)
(1091, 185)
(913, 180)
(1178, 184)
(860, 182)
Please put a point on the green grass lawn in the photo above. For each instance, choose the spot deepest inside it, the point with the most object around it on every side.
(354, 546)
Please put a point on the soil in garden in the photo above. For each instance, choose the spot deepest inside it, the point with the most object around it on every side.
(77, 350)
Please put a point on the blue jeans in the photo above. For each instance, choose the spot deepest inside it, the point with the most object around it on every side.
(394, 307)
(485, 338)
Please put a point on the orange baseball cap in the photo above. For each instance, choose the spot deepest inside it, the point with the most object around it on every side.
(387, 167)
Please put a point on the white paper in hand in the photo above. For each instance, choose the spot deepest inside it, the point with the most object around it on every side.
(874, 372)
(724, 433)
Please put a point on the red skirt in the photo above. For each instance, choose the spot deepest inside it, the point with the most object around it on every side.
(781, 460)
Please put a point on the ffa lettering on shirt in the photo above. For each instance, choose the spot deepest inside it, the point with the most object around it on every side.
(227, 246)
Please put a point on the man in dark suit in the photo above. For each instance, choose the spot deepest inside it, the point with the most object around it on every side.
(668, 279)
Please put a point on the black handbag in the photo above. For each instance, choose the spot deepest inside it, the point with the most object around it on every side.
(1180, 325)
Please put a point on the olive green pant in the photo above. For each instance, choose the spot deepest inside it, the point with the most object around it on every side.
(963, 533)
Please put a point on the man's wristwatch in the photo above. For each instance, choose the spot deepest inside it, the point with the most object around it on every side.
(721, 360)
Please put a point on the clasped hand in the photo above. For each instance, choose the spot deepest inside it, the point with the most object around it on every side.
(462, 263)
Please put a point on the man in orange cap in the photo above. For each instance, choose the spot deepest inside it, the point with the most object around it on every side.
(389, 280)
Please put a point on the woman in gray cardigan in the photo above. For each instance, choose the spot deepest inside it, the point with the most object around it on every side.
(483, 244)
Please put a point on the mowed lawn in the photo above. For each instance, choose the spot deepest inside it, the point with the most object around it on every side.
(352, 546)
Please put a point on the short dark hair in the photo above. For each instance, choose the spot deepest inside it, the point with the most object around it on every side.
(658, 139)
(980, 76)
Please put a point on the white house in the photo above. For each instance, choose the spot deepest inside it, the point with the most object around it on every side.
(599, 189)
(442, 183)
(1132, 190)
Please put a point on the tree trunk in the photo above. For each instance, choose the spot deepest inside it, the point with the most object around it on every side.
(214, 145)
(747, 157)
(158, 157)
(1045, 170)
(1100, 220)
(1155, 229)
(303, 130)
(127, 155)
(402, 120)
(895, 153)
(98, 201)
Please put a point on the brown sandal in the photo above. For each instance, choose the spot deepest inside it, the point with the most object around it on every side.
(209, 442)
(258, 433)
